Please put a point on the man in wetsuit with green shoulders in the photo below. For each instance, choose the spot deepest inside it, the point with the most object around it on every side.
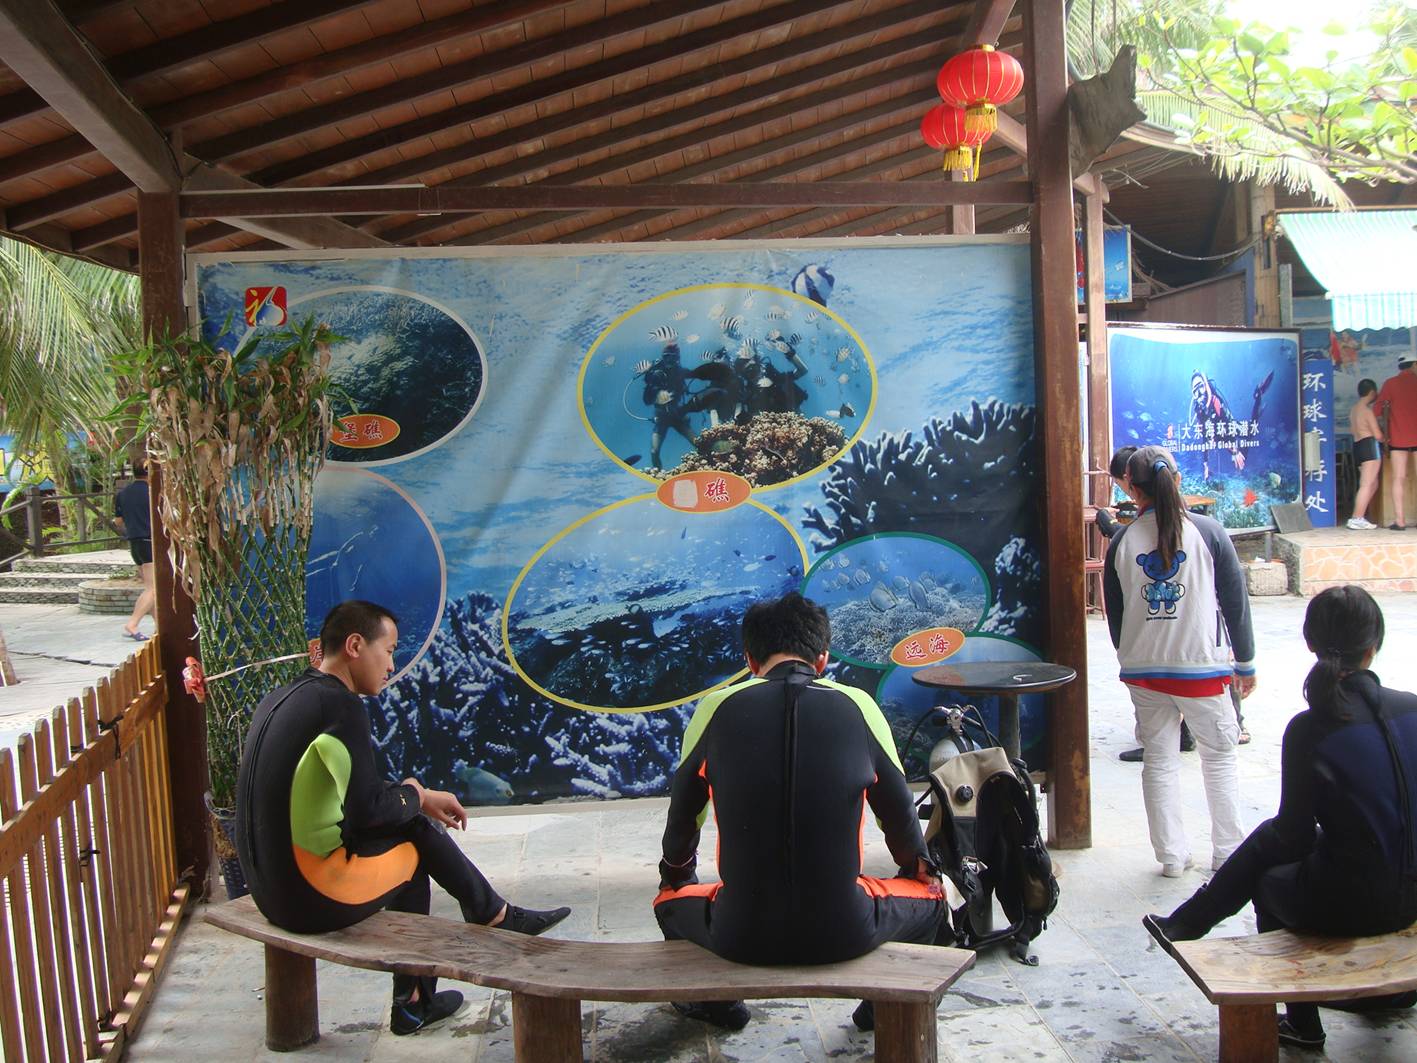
(789, 763)
(325, 841)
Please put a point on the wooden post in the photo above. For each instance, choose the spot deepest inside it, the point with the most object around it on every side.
(1099, 447)
(545, 1029)
(160, 273)
(1055, 328)
(34, 519)
(1248, 1033)
(292, 1000)
(905, 1033)
(961, 217)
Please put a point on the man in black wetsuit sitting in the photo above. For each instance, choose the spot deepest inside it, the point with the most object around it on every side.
(789, 761)
(324, 841)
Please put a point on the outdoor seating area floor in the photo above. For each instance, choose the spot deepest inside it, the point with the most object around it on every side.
(1102, 990)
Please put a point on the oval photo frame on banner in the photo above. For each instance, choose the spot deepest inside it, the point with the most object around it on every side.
(639, 606)
(739, 378)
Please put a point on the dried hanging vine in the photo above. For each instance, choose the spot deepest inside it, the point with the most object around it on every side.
(240, 438)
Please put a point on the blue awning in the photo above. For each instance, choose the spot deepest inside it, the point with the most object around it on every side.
(1366, 260)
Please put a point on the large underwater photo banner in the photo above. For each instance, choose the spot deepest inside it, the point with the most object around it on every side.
(1225, 402)
(568, 471)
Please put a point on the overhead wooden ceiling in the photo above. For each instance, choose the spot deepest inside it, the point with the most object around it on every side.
(396, 92)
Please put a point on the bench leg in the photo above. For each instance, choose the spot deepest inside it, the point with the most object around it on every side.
(1248, 1033)
(546, 1029)
(905, 1033)
(292, 1006)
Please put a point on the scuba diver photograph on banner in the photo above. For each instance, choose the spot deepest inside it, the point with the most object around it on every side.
(1225, 402)
(569, 471)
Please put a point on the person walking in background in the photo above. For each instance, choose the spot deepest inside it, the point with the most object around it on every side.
(1170, 579)
(1367, 453)
(134, 519)
(1338, 857)
(1117, 469)
(1398, 399)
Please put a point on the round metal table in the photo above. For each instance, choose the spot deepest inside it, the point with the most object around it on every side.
(1006, 680)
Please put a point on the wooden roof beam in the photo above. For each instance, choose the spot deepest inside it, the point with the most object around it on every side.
(213, 39)
(317, 202)
(708, 108)
(407, 90)
(40, 45)
(596, 73)
(986, 22)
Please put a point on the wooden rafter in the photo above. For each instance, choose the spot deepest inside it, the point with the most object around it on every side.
(593, 74)
(316, 202)
(40, 45)
(986, 22)
(133, 67)
(712, 106)
(408, 90)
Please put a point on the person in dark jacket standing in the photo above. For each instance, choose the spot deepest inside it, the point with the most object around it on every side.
(1176, 605)
(132, 506)
(788, 763)
(324, 841)
(1340, 856)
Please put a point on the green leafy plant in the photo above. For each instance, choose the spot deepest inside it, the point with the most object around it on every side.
(240, 437)
(1257, 102)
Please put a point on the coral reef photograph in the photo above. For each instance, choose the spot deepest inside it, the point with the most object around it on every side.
(880, 589)
(755, 380)
(639, 606)
(766, 449)
(463, 720)
(401, 357)
(969, 479)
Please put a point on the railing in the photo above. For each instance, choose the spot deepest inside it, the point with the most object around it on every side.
(91, 899)
(93, 521)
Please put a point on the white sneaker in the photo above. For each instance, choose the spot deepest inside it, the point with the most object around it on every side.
(1177, 870)
(1359, 524)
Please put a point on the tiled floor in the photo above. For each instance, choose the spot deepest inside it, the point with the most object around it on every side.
(1101, 991)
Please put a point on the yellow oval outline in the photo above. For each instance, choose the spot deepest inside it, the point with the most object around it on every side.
(599, 339)
(398, 431)
(516, 585)
(711, 472)
(916, 634)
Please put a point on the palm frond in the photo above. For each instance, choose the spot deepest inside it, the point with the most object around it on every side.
(1249, 151)
(61, 321)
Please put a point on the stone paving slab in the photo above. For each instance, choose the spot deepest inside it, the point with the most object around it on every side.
(1103, 991)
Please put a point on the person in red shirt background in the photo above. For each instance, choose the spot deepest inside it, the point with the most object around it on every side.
(1398, 399)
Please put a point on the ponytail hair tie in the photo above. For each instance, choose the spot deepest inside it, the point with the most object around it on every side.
(1159, 466)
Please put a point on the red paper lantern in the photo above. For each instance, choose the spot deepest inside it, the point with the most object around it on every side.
(980, 80)
(945, 127)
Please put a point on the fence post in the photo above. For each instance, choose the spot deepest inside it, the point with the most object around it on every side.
(35, 519)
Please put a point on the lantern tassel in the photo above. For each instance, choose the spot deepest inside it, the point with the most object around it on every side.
(981, 118)
(960, 158)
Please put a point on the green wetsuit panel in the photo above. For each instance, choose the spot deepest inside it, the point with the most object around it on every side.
(317, 795)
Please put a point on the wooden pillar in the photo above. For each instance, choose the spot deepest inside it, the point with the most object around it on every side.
(160, 272)
(905, 1033)
(1248, 1033)
(1055, 327)
(961, 218)
(1099, 444)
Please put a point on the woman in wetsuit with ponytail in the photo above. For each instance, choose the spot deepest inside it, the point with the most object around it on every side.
(1340, 856)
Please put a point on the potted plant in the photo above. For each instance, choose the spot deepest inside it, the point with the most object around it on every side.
(240, 437)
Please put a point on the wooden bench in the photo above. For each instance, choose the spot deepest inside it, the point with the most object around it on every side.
(549, 978)
(1247, 976)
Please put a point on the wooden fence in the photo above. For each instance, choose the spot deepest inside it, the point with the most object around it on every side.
(91, 898)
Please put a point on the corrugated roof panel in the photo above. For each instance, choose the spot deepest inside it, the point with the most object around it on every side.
(1366, 261)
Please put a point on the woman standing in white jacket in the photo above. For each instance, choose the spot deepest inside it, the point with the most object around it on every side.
(1179, 611)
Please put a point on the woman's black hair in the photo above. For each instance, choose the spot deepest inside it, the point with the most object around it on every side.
(1341, 625)
(1153, 472)
(1366, 387)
